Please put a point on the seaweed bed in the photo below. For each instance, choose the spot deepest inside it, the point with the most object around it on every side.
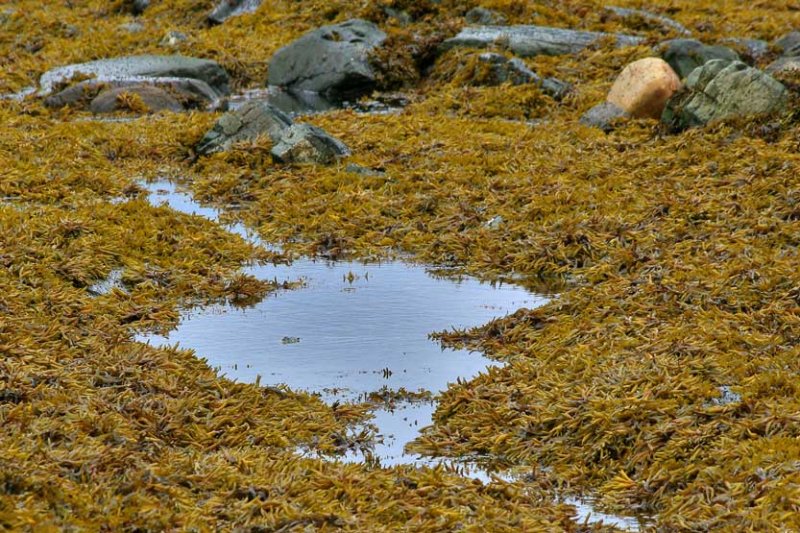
(676, 257)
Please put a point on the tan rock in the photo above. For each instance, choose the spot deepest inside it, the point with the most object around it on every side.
(643, 88)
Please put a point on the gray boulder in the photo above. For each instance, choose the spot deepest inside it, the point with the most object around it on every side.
(603, 116)
(141, 68)
(332, 60)
(502, 70)
(723, 89)
(304, 143)
(652, 19)
(232, 8)
(685, 55)
(246, 123)
(153, 98)
(486, 17)
(529, 41)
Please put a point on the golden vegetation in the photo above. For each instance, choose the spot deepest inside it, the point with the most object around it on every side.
(676, 257)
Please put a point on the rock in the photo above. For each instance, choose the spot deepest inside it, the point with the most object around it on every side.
(603, 116)
(131, 27)
(643, 88)
(723, 89)
(685, 55)
(232, 8)
(529, 41)
(304, 143)
(246, 123)
(784, 65)
(502, 70)
(136, 7)
(191, 93)
(331, 60)
(173, 38)
(787, 42)
(750, 50)
(485, 17)
(401, 16)
(649, 18)
(153, 98)
(358, 170)
(141, 68)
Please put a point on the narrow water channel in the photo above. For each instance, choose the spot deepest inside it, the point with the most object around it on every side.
(351, 330)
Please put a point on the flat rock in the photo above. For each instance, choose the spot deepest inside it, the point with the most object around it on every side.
(485, 17)
(652, 19)
(246, 123)
(153, 98)
(330, 60)
(723, 89)
(685, 55)
(643, 88)
(502, 69)
(307, 144)
(139, 68)
(189, 92)
(529, 41)
(603, 116)
(232, 8)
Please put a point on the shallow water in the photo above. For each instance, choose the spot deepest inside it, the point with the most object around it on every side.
(352, 329)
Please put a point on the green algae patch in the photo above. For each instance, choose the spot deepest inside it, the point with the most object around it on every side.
(675, 258)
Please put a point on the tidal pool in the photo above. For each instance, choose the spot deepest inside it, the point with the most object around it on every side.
(352, 329)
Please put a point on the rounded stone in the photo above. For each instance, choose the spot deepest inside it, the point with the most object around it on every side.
(643, 88)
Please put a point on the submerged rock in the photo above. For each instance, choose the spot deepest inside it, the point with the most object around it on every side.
(723, 89)
(232, 8)
(152, 98)
(140, 68)
(528, 41)
(246, 123)
(643, 88)
(304, 143)
(331, 60)
(485, 17)
(649, 18)
(603, 116)
(685, 55)
(500, 69)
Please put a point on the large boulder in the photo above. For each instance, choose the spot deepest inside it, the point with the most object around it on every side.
(333, 60)
(307, 144)
(246, 123)
(723, 89)
(643, 88)
(142, 69)
(685, 55)
(226, 9)
(497, 69)
(528, 41)
(141, 98)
